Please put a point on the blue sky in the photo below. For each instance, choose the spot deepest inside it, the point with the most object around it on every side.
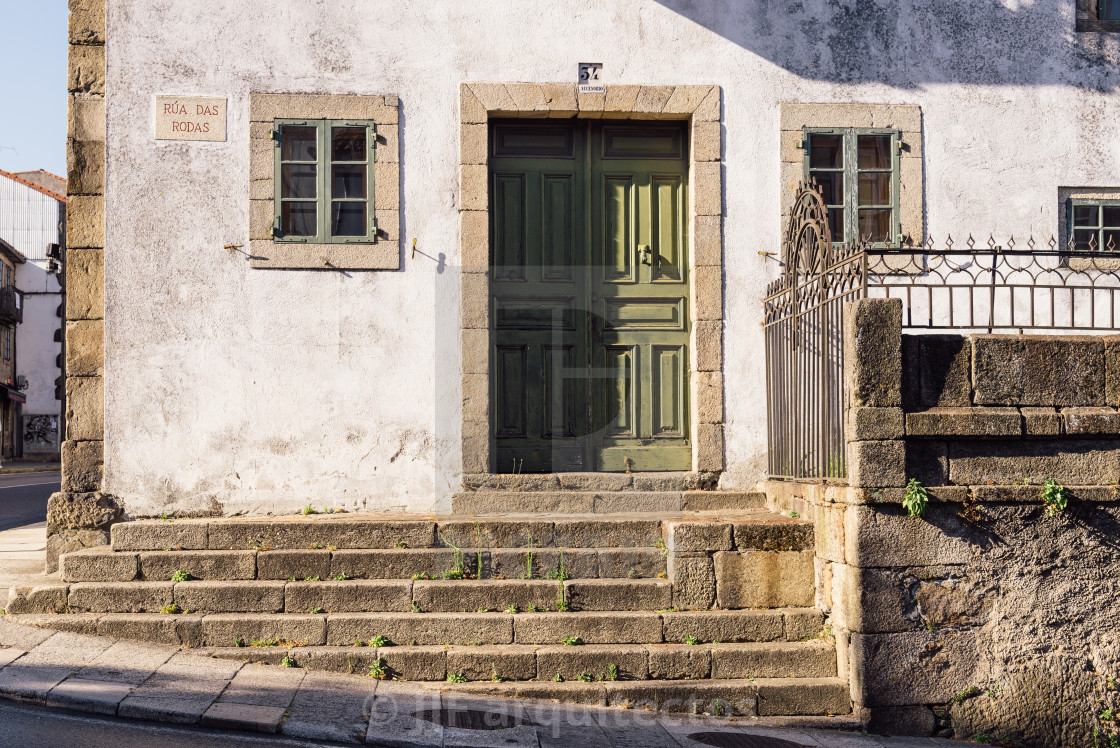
(33, 85)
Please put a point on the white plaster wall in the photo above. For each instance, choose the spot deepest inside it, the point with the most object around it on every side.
(36, 349)
(252, 390)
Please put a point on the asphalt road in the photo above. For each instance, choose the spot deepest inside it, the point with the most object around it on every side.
(28, 726)
(23, 498)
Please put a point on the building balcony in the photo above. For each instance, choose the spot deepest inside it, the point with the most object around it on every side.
(11, 305)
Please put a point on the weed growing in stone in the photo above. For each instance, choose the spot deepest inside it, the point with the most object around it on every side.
(496, 676)
(309, 510)
(967, 693)
(795, 514)
(166, 518)
(239, 642)
(264, 642)
(483, 610)
(560, 573)
(381, 641)
(400, 544)
(421, 575)
(317, 546)
(512, 609)
(287, 662)
(341, 578)
(458, 569)
(562, 605)
(529, 560)
(312, 579)
(180, 576)
(718, 709)
(612, 672)
(1054, 496)
(316, 611)
(584, 678)
(171, 609)
(456, 678)
(660, 545)
(532, 608)
(916, 499)
(691, 640)
(378, 670)
(571, 641)
(478, 550)
(558, 678)
(416, 608)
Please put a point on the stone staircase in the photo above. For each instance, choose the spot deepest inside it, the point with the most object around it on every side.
(698, 603)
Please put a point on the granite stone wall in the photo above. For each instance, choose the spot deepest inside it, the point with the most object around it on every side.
(989, 615)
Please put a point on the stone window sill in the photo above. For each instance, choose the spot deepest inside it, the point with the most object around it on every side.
(384, 255)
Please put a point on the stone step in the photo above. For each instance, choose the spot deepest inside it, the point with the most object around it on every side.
(786, 697)
(104, 565)
(559, 501)
(754, 530)
(444, 629)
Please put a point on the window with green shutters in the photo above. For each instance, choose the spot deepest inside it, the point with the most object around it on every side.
(1095, 224)
(324, 181)
(858, 173)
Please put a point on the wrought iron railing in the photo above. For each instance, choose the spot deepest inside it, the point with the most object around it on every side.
(1014, 287)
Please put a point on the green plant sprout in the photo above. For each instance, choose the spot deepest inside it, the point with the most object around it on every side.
(378, 670)
(456, 678)
(571, 641)
(916, 499)
(381, 641)
(180, 576)
(1054, 496)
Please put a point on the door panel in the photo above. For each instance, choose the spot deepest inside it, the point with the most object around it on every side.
(589, 291)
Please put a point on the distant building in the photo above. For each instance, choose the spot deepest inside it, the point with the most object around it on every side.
(32, 234)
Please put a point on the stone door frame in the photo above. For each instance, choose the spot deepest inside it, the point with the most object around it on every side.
(700, 106)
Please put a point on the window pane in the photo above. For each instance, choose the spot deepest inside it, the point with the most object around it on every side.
(348, 219)
(298, 219)
(874, 189)
(349, 181)
(1085, 215)
(298, 144)
(831, 185)
(875, 224)
(1083, 240)
(1111, 241)
(836, 224)
(874, 151)
(348, 144)
(826, 152)
(1111, 216)
(1109, 10)
(297, 180)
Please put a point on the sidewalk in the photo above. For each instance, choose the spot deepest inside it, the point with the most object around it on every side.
(24, 466)
(23, 558)
(165, 684)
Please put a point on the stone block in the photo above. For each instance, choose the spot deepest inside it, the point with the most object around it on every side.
(631, 563)
(919, 667)
(687, 99)
(875, 424)
(85, 348)
(233, 716)
(122, 597)
(299, 564)
(422, 628)
(560, 98)
(687, 697)
(511, 533)
(884, 535)
(873, 352)
(1091, 420)
(651, 99)
(486, 595)
(928, 462)
(471, 110)
(98, 565)
(1041, 421)
(632, 502)
(85, 73)
(321, 532)
(877, 464)
(386, 186)
(231, 597)
(707, 190)
(593, 659)
(85, 408)
(223, 630)
(85, 221)
(85, 284)
(348, 596)
(764, 579)
(678, 662)
(709, 396)
(619, 594)
(484, 663)
(709, 345)
(87, 21)
(915, 721)
(591, 627)
(707, 141)
(85, 167)
(697, 535)
(723, 625)
(396, 564)
(800, 624)
(707, 239)
(971, 422)
(81, 511)
(813, 659)
(152, 627)
(43, 598)
(140, 535)
(1037, 370)
(513, 563)
(620, 99)
(803, 696)
(81, 466)
(388, 145)
(85, 695)
(772, 535)
(694, 580)
(86, 118)
(709, 448)
(595, 533)
(160, 566)
(1074, 462)
(945, 368)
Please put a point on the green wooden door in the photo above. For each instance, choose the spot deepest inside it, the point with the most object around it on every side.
(589, 294)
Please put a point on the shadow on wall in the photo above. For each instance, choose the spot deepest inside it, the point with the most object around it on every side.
(914, 43)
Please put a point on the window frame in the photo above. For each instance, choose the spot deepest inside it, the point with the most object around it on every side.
(850, 142)
(1089, 18)
(324, 197)
(1100, 227)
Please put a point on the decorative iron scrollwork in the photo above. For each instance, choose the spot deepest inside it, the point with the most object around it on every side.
(807, 247)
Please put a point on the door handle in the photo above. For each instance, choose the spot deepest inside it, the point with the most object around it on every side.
(646, 254)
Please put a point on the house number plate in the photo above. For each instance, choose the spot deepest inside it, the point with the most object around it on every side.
(591, 77)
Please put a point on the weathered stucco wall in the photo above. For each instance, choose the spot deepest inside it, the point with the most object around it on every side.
(989, 612)
(243, 390)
